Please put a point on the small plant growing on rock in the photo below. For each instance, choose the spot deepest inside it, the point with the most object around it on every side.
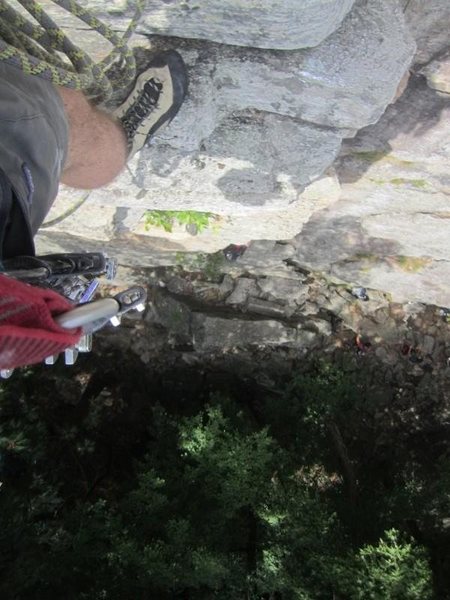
(166, 219)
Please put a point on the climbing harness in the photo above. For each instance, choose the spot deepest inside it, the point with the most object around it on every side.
(37, 49)
(46, 307)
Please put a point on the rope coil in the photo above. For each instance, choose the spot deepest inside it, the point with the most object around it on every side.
(34, 48)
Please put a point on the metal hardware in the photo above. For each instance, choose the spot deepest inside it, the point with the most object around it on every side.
(133, 298)
(70, 356)
(51, 360)
(6, 373)
(115, 321)
(85, 343)
(85, 314)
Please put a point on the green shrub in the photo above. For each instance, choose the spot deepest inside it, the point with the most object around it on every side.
(394, 569)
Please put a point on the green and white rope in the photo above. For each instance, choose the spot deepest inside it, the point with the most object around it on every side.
(34, 48)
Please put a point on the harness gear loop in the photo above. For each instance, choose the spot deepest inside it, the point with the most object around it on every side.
(36, 49)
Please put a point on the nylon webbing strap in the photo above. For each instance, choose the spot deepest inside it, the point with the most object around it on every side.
(5, 209)
(15, 235)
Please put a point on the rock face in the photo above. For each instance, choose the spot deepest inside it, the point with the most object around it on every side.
(283, 25)
(255, 140)
(246, 163)
(248, 309)
(259, 125)
(391, 228)
(437, 73)
(256, 120)
(429, 23)
(209, 330)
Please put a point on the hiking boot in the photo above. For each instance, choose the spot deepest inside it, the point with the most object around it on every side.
(158, 93)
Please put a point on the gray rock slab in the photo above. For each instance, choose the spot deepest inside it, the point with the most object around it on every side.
(283, 25)
(130, 251)
(213, 332)
(319, 326)
(106, 216)
(260, 125)
(257, 306)
(254, 224)
(345, 83)
(365, 55)
(437, 73)
(355, 72)
(76, 212)
(412, 133)
(391, 228)
(243, 288)
(429, 23)
(267, 254)
(284, 290)
(247, 162)
(286, 24)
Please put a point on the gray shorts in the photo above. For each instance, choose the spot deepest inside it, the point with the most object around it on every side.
(33, 141)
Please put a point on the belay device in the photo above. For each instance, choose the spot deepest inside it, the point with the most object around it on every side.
(46, 307)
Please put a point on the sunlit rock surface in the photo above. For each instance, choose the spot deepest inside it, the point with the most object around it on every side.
(259, 144)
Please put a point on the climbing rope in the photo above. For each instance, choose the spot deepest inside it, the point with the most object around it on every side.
(37, 49)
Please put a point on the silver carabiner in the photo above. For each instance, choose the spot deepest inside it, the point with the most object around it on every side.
(86, 314)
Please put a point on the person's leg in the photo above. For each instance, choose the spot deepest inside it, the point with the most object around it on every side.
(100, 144)
(97, 143)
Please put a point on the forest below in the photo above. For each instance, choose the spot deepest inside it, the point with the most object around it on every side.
(287, 480)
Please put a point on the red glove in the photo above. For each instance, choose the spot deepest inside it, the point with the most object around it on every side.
(28, 332)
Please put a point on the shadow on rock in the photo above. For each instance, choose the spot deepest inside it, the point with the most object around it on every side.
(416, 114)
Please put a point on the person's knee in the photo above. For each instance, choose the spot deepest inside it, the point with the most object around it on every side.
(97, 144)
(87, 176)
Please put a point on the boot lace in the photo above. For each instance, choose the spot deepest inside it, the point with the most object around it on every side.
(147, 102)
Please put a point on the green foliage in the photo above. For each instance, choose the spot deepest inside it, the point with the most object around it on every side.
(139, 491)
(396, 569)
(310, 402)
(166, 219)
(417, 183)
